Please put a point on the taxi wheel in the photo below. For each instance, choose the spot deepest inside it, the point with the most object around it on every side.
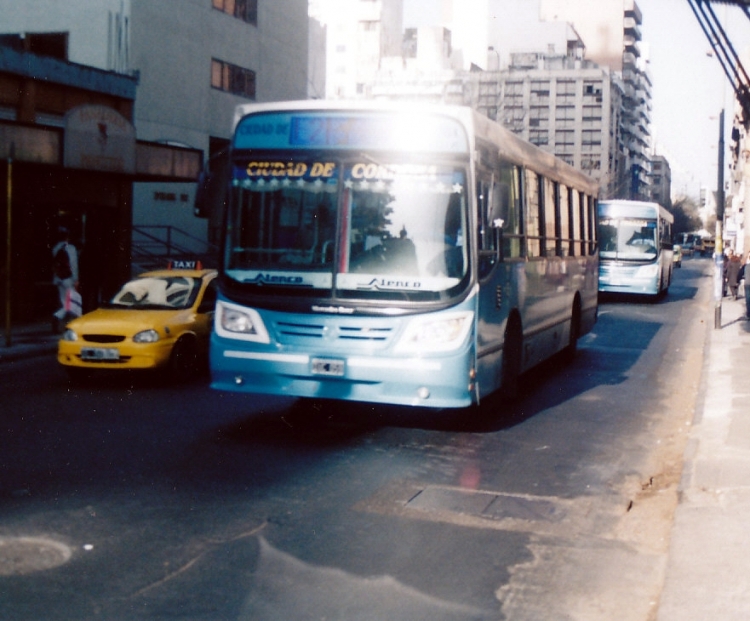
(183, 363)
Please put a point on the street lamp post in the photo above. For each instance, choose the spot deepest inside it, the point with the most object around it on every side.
(719, 248)
(9, 211)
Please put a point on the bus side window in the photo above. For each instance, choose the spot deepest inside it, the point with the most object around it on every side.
(487, 205)
(575, 224)
(582, 222)
(533, 243)
(563, 214)
(509, 195)
(591, 221)
(551, 225)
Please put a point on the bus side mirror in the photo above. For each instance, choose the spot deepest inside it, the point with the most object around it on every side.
(212, 190)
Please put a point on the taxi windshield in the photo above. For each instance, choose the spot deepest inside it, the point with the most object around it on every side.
(157, 292)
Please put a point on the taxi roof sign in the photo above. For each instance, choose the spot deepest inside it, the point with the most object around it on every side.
(184, 264)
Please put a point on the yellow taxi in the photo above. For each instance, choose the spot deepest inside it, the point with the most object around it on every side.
(160, 320)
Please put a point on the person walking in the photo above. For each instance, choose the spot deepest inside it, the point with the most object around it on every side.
(731, 272)
(746, 276)
(65, 278)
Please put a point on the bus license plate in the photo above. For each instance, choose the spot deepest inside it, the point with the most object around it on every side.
(328, 366)
(100, 353)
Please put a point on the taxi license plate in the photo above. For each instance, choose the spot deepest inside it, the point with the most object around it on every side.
(100, 353)
(328, 366)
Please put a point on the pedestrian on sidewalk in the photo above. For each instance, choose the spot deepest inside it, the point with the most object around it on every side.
(746, 276)
(65, 278)
(731, 273)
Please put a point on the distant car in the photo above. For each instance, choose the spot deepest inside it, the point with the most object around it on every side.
(677, 255)
(160, 320)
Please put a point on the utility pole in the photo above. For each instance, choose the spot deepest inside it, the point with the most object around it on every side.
(719, 248)
(7, 243)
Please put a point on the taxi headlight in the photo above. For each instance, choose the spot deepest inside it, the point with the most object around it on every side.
(433, 334)
(69, 335)
(238, 322)
(146, 336)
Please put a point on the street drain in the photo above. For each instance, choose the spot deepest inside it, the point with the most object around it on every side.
(488, 505)
(25, 555)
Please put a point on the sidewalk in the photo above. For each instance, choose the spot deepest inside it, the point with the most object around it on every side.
(27, 341)
(708, 571)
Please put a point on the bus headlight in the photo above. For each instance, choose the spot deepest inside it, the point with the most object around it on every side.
(436, 333)
(238, 322)
(649, 271)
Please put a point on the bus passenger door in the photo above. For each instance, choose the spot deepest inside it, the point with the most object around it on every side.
(496, 214)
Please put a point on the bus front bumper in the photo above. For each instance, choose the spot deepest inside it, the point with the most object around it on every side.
(437, 382)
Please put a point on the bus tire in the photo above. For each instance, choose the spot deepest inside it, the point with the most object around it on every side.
(569, 353)
(510, 371)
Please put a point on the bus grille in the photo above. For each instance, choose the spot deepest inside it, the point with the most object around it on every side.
(315, 331)
(291, 332)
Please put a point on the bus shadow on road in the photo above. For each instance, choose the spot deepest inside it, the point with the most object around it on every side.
(675, 294)
(601, 360)
(605, 357)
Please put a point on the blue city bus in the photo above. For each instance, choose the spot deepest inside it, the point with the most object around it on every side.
(399, 254)
(635, 252)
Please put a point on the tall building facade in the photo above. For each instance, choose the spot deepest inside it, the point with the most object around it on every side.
(564, 105)
(359, 33)
(611, 32)
(661, 181)
(194, 61)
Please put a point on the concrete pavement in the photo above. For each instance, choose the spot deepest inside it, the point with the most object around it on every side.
(708, 570)
(26, 341)
(709, 559)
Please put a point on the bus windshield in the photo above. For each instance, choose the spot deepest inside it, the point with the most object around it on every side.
(628, 239)
(348, 228)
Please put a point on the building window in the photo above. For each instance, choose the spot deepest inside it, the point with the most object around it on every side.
(591, 138)
(539, 117)
(246, 10)
(565, 117)
(538, 137)
(232, 79)
(564, 138)
(540, 92)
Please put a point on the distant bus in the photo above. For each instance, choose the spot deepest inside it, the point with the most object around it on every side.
(691, 243)
(387, 253)
(635, 247)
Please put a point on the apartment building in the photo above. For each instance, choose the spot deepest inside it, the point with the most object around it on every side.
(359, 33)
(564, 105)
(110, 107)
(193, 60)
(661, 181)
(611, 30)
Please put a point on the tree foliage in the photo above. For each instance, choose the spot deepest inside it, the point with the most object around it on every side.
(686, 218)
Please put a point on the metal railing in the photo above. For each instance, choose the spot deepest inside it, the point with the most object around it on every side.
(153, 246)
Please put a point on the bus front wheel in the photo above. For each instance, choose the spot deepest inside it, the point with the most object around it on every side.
(511, 365)
(575, 332)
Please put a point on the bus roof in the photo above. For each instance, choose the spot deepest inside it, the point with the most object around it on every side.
(636, 209)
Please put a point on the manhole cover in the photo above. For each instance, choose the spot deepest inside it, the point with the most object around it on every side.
(24, 555)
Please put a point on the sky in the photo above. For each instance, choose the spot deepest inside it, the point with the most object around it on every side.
(689, 85)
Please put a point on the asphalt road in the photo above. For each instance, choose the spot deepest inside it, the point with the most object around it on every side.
(125, 499)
